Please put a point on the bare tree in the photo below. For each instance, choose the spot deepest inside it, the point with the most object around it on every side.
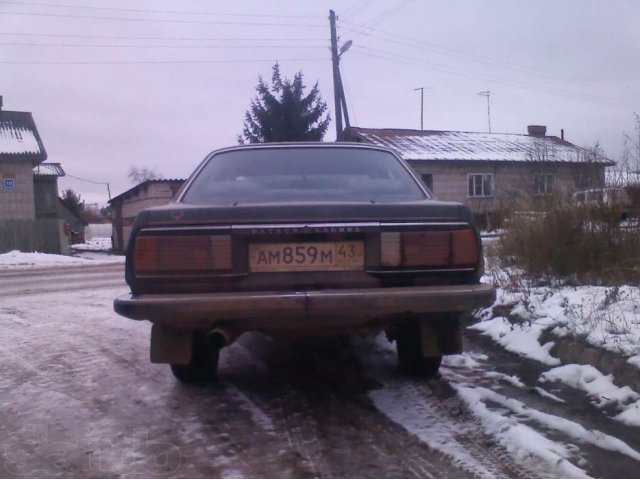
(631, 151)
(142, 174)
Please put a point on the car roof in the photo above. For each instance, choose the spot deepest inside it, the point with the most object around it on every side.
(292, 145)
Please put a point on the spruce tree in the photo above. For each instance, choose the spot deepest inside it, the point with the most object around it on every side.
(283, 113)
(73, 201)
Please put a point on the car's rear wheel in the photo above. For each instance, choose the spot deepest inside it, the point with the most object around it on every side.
(409, 347)
(204, 362)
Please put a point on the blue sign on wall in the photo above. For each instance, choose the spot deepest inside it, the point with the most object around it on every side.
(9, 183)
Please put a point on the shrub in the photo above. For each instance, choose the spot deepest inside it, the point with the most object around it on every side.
(573, 243)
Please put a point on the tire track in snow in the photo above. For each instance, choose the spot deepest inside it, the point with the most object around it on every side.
(316, 411)
(431, 410)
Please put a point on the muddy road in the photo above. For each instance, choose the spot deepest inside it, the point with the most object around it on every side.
(79, 398)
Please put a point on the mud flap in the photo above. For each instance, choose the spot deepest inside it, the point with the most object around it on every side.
(171, 345)
(441, 337)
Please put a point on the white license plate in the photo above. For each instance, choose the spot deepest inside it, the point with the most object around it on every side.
(307, 256)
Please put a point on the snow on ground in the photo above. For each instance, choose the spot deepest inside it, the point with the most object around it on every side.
(607, 317)
(97, 244)
(16, 260)
(530, 436)
(518, 339)
(630, 415)
(598, 386)
(600, 389)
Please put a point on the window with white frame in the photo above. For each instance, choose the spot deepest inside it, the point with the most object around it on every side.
(480, 184)
(543, 183)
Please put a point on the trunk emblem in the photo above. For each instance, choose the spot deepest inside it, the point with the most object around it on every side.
(177, 215)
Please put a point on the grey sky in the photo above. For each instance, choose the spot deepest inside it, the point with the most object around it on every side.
(568, 64)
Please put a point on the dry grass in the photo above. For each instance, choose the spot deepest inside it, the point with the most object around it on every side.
(573, 244)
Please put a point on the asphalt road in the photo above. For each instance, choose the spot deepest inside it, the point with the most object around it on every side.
(79, 398)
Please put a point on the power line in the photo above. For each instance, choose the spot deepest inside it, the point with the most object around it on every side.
(92, 181)
(158, 20)
(420, 45)
(446, 69)
(189, 39)
(387, 13)
(156, 62)
(353, 8)
(553, 91)
(84, 45)
(141, 10)
(85, 179)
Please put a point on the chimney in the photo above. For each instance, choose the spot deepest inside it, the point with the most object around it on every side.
(562, 133)
(0, 102)
(537, 130)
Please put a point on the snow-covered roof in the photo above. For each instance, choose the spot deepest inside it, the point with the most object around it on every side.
(175, 182)
(19, 138)
(425, 145)
(48, 170)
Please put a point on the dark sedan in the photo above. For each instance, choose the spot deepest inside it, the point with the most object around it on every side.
(303, 240)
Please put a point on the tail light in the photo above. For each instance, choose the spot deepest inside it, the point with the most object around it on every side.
(181, 253)
(432, 249)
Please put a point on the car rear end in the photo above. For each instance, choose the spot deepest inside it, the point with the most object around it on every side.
(304, 267)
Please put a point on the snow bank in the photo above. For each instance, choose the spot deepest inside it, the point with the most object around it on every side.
(16, 260)
(606, 317)
(97, 244)
(630, 415)
(520, 438)
(590, 380)
(519, 339)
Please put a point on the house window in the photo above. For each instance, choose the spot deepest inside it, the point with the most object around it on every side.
(427, 179)
(480, 184)
(584, 181)
(543, 183)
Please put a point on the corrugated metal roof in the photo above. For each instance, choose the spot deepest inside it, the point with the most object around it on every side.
(49, 170)
(19, 138)
(428, 145)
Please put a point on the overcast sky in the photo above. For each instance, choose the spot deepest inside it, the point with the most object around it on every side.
(161, 83)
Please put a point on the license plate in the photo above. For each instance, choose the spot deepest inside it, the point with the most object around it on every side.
(304, 257)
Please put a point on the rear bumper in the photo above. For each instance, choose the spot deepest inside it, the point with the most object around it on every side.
(315, 309)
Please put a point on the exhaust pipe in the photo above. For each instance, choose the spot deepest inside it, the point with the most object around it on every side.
(220, 337)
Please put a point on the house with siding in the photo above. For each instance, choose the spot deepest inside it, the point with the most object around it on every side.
(127, 205)
(492, 172)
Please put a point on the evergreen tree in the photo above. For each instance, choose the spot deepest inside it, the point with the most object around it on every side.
(73, 201)
(283, 113)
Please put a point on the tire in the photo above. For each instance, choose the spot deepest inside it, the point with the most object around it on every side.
(410, 358)
(204, 362)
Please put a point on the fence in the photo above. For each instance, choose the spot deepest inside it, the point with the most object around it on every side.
(40, 235)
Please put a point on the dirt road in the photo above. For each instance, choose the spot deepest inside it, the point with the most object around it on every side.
(79, 398)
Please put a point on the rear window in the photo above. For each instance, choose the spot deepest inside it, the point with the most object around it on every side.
(301, 175)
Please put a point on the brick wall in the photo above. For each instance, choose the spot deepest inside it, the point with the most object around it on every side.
(17, 203)
(154, 195)
(513, 182)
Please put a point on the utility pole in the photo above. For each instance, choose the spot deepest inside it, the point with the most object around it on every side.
(338, 87)
(487, 93)
(337, 90)
(421, 106)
